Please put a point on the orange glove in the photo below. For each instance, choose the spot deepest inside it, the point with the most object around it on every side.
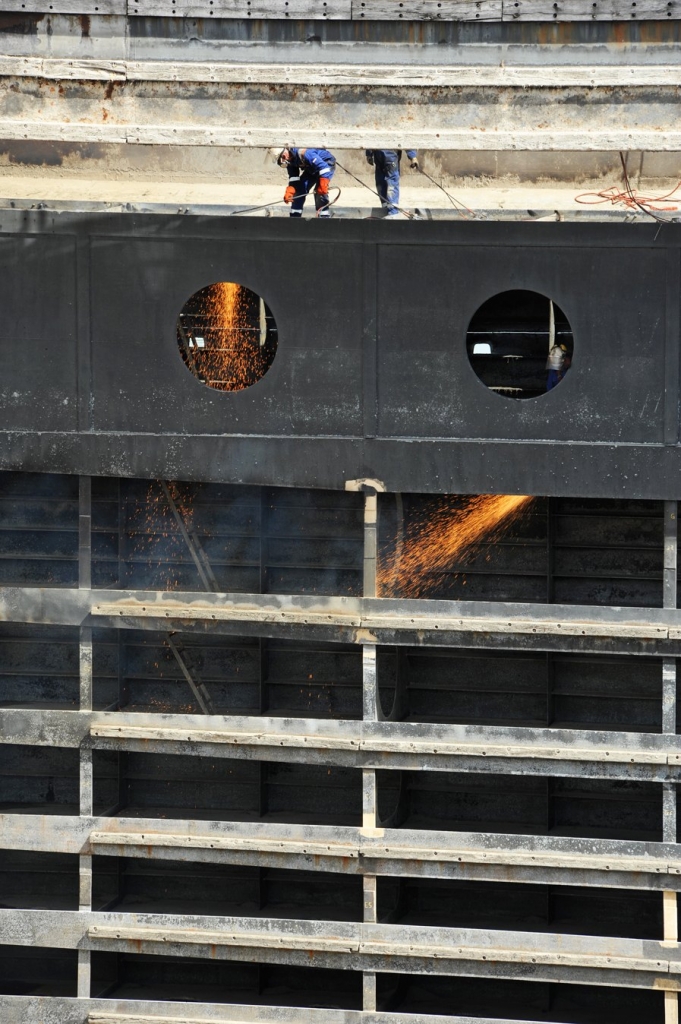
(290, 194)
(322, 188)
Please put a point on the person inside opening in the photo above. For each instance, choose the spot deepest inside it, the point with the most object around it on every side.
(557, 364)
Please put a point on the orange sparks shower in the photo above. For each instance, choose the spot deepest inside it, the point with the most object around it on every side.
(442, 535)
(223, 336)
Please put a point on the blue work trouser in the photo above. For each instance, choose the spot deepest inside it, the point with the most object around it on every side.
(387, 175)
(308, 181)
(554, 378)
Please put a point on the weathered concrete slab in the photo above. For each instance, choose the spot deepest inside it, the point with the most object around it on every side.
(353, 114)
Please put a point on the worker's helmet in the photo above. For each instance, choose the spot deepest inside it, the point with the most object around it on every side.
(284, 157)
(564, 347)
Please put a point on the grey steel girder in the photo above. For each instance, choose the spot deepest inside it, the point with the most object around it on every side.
(513, 626)
(572, 959)
(357, 744)
(351, 850)
(373, 614)
(63, 1010)
(296, 109)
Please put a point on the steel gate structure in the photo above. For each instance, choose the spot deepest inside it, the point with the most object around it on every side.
(240, 780)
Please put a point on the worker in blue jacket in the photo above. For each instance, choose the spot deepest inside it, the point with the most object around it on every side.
(386, 164)
(308, 168)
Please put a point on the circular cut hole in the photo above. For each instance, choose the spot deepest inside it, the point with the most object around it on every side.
(520, 344)
(227, 336)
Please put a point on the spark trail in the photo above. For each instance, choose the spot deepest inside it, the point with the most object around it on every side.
(227, 317)
(444, 533)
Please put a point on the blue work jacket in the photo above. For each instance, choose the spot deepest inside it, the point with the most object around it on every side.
(318, 161)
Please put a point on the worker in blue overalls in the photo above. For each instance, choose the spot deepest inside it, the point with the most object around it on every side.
(308, 168)
(386, 164)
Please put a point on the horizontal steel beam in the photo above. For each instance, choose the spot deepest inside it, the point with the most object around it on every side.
(357, 744)
(347, 850)
(365, 615)
(371, 615)
(45, 606)
(393, 76)
(272, 1015)
(595, 629)
(363, 10)
(484, 953)
(407, 622)
(349, 115)
(388, 737)
(63, 1010)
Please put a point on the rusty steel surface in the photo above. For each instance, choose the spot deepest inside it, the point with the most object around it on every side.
(352, 116)
(359, 10)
